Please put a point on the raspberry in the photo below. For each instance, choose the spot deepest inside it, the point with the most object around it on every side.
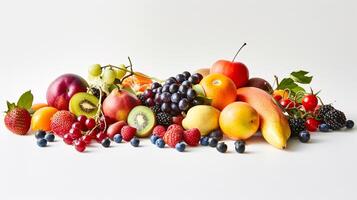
(159, 131)
(128, 132)
(192, 137)
(173, 136)
(176, 127)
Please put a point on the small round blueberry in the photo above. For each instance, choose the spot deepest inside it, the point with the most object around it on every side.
(106, 143)
(160, 143)
(42, 142)
(204, 141)
(222, 147)
(40, 134)
(117, 138)
(135, 142)
(304, 136)
(239, 146)
(180, 147)
(50, 137)
(350, 124)
(324, 128)
(212, 142)
(153, 138)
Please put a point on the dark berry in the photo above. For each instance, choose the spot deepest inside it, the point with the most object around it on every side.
(153, 138)
(176, 97)
(187, 83)
(183, 89)
(165, 97)
(160, 143)
(156, 108)
(148, 93)
(180, 147)
(155, 85)
(304, 136)
(106, 143)
(159, 90)
(142, 99)
(165, 88)
(41, 142)
(135, 142)
(191, 94)
(204, 141)
(184, 104)
(296, 125)
(166, 107)
(180, 78)
(350, 124)
(212, 142)
(157, 98)
(335, 119)
(170, 81)
(323, 110)
(175, 109)
(50, 137)
(118, 138)
(239, 146)
(164, 119)
(40, 134)
(150, 102)
(173, 88)
(186, 74)
(222, 147)
(216, 134)
(198, 76)
(324, 128)
(194, 79)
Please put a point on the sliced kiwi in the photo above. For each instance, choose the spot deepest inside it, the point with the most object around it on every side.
(84, 104)
(143, 119)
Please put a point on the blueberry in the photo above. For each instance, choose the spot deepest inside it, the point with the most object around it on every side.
(135, 142)
(212, 142)
(160, 143)
(50, 137)
(216, 134)
(239, 146)
(180, 147)
(204, 141)
(41, 142)
(304, 136)
(106, 143)
(40, 134)
(221, 147)
(350, 124)
(153, 138)
(186, 74)
(324, 128)
(117, 138)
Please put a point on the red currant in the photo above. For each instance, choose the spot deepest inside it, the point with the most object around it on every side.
(80, 145)
(93, 133)
(75, 133)
(312, 124)
(102, 126)
(67, 139)
(87, 139)
(77, 125)
(310, 102)
(287, 103)
(90, 123)
(101, 136)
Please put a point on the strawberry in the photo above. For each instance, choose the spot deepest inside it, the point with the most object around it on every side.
(18, 118)
(159, 131)
(173, 136)
(192, 137)
(128, 132)
(176, 127)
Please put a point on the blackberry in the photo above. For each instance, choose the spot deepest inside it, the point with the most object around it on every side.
(164, 119)
(335, 119)
(142, 99)
(323, 110)
(95, 92)
(296, 125)
(156, 108)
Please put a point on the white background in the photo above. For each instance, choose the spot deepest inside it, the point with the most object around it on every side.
(40, 40)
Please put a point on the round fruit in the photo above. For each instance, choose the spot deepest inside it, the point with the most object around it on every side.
(220, 89)
(41, 119)
(106, 143)
(50, 137)
(143, 119)
(236, 71)
(117, 138)
(109, 76)
(309, 102)
(80, 146)
(204, 141)
(304, 136)
(180, 147)
(350, 124)
(160, 143)
(203, 117)
(37, 106)
(239, 146)
(61, 122)
(282, 93)
(324, 128)
(287, 103)
(84, 104)
(222, 147)
(135, 142)
(212, 142)
(95, 70)
(312, 124)
(260, 83)
(40, 134)
(120, 73)
(90, 123)
(67, 139)
(239, 121)
(42, 142)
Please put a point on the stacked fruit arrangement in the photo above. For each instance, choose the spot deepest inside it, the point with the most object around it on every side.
(201, 108)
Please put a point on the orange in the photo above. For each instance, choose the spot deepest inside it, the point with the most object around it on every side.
(220, 89)
(41, 119)
(37, 106)
(239, 121)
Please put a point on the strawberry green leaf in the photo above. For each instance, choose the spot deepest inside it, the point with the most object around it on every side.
(10, 106)
(25, 101)
(301, 77)
(287, 83)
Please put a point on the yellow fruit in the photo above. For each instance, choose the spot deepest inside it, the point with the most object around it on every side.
(119, 72)
(239, 121)
(273, 124)
(41, 119)
(284, 94)
(203, 117)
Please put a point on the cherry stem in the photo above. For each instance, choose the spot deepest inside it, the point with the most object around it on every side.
(238, 51)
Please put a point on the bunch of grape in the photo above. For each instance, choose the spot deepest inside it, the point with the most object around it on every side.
(174, 96)
(108, 74)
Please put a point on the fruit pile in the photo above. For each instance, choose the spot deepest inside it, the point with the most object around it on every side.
(117, 104)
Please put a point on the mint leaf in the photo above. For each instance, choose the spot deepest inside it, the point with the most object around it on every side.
(301, 77)
(287, 83)
(25, 101)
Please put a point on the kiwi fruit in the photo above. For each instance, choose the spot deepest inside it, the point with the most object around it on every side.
(84, 103)
(143, 119)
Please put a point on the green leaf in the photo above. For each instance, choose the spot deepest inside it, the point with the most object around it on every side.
(301, 77)
(287, 83)
(25, 101)
(10, 106)
(297, 91)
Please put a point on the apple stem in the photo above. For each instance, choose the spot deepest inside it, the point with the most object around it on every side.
(239, 51)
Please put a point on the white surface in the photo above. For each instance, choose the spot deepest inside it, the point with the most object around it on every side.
(40, 40)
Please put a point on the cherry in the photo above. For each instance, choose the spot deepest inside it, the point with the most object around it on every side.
(278, 97)
(101, 136)
(80, 145)
(67, 139)
(77, 125)
(90, 123)
(82, 119)
(312, 124)
(87, 139)
(310, 102)
(75, 133)
(287, 103)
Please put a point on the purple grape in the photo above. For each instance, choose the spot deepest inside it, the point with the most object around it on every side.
(194, 80)
(184, 104)
(166, 88)
(187, 83)
(175, 110)
(198, 76)
(158, 98)
(165, 97)
(176, 97)
(159, 90)
(173, 88)
(191, 94)
(170, 80)
(180, 78)
(186, 74)
(148, 93)
(150, 102)
(183, 89)
(166, 107)
(155, 85)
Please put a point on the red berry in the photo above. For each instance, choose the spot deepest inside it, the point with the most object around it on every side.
(67, 139)
(102, 126)
(173, 136)
(18, 120)
(177, 120)
(77, 125)
(82, 119)
(310, 102)
(90, 123)
(101, 136)
(75, 133)
(192, 137)
(287, 103)
(277, 97)
(87, 139)
(128, 132)
(159, 131)
(176, 127)
(93, 133)
(80, 145)
(312, 124)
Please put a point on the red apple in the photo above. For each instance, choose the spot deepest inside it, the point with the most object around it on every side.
(61, 90)
(118, 104)
(236, 71)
